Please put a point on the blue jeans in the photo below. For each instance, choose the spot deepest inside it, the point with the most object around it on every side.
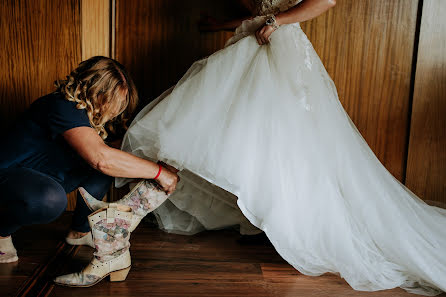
(30, 197)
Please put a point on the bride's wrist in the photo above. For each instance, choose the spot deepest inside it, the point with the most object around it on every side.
(274, 21)
(271, 21)
(279, 20)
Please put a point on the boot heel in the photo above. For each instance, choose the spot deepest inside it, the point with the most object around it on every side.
(120, 275)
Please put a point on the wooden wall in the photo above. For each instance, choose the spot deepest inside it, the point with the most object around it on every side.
(38, 44)
(158, 40)
(426, 166)
(96, 28)
(369, 47)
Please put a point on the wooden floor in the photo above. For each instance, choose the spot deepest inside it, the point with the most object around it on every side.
(208, 264)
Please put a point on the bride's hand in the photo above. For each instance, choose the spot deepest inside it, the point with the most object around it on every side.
(263, 34)
(168, 180)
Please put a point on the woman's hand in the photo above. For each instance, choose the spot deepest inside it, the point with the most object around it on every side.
(303, 11)
(168, 180)
(170, 168)
(263, 34)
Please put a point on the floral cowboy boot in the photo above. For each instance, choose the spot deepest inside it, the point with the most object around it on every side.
(110, 229)
(144, 198)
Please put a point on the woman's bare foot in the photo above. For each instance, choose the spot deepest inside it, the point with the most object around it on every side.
(79, 238)
(8, 253)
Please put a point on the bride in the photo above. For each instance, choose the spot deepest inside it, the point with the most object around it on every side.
(261, 120)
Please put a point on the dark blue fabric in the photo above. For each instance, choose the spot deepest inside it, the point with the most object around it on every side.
(36, 141)
(97, 184)
(28, 197)
(38, 167)
(31, 197)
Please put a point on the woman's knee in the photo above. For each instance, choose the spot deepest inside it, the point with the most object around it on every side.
(30, 197)
(49, 202)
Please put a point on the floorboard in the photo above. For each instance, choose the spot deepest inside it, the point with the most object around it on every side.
(211, 264)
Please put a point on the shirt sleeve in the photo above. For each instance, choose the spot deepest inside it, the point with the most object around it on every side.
(63, 115)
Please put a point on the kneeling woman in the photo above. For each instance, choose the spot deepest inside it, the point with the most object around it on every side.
(58, 146)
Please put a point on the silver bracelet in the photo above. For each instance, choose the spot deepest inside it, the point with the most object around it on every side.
(271, 21)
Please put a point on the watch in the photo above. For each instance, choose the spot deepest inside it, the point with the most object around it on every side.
(271, 21)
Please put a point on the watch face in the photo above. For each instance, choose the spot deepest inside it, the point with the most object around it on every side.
(269, 22)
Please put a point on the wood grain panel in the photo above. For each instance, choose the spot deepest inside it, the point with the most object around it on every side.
(40, 43)
(158, 40)
(95, 28)
(426, 166)
(367, 47)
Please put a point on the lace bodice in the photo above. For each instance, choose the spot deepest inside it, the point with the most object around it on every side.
(265, 7)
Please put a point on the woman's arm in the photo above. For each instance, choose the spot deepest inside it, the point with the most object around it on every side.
(304, 11)
(210, 24)
(245, 10)
(113, 162)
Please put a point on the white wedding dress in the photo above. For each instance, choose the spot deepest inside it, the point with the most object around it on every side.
(264, 123)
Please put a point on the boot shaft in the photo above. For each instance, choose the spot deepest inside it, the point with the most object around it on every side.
(144, 198)
(110, 231)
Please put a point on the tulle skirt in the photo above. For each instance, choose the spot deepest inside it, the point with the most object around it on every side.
(265, 125)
